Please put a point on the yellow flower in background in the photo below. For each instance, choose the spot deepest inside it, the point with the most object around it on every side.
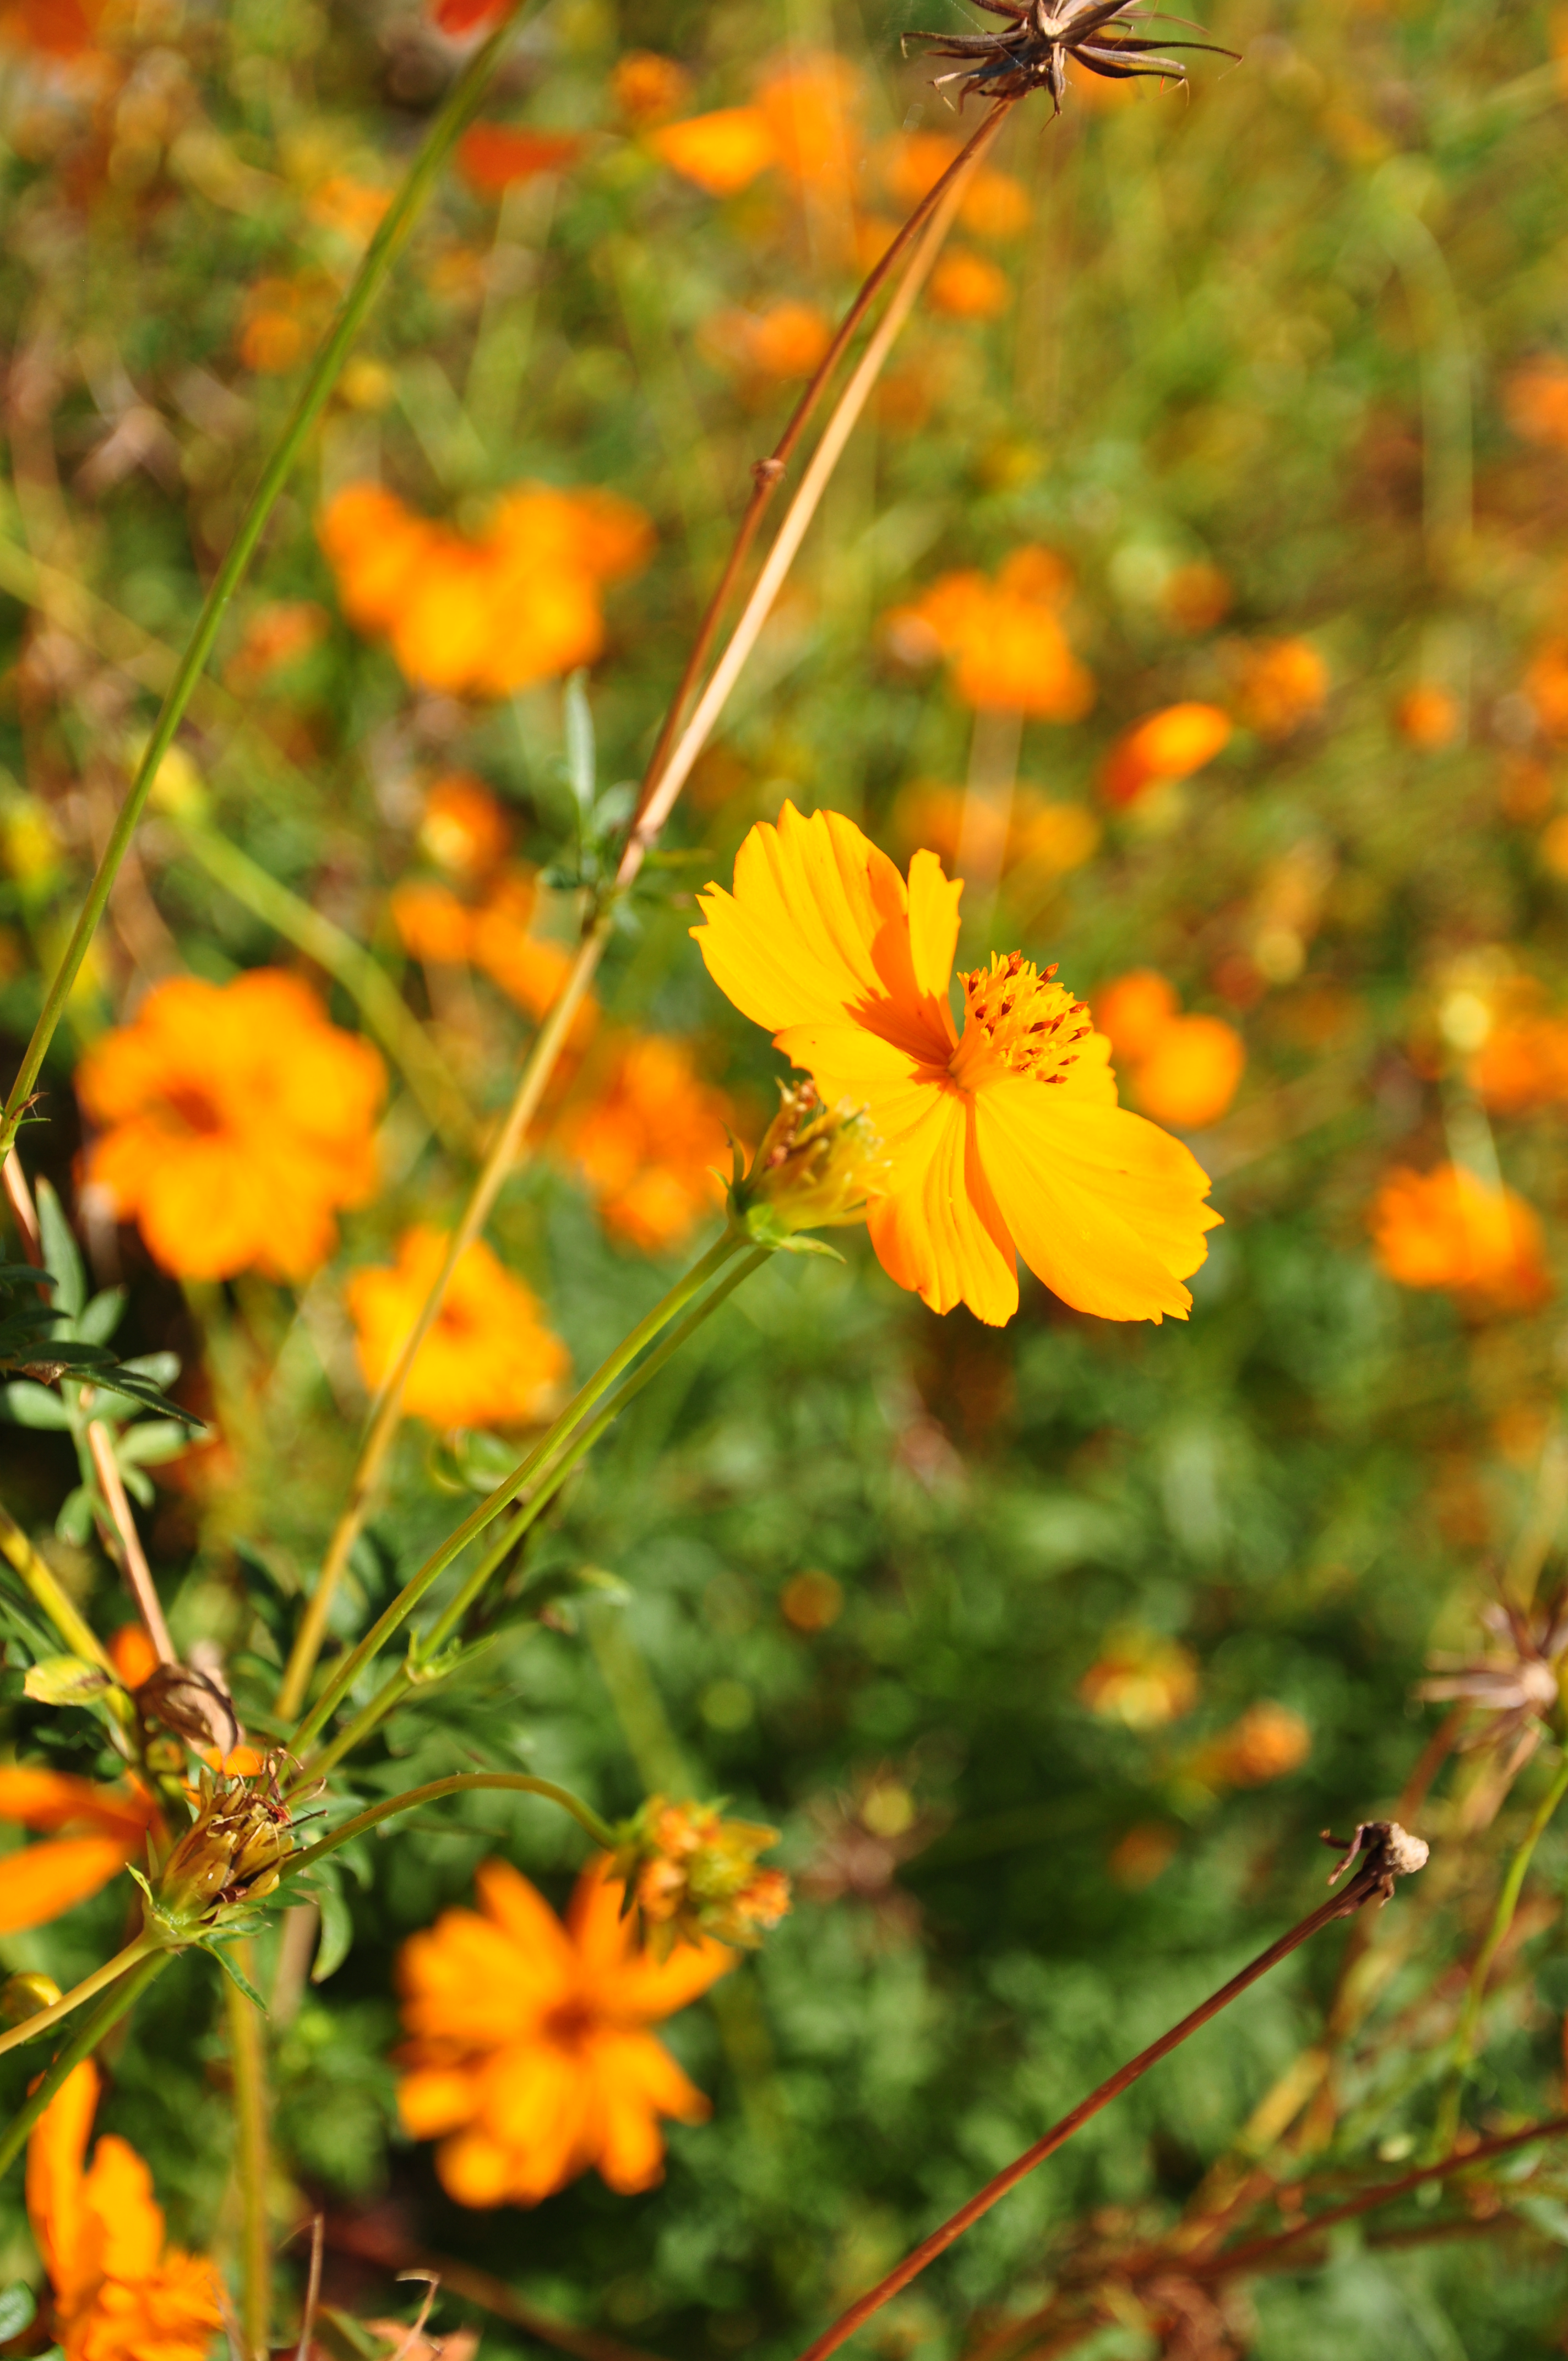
(530, 2058)
(120, 2293)
(652, 1143)
(489, 1360)
(1004, 1139)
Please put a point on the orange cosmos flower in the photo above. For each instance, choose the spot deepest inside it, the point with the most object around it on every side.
(647, 87)
(62, 28)
(1196, 597)
(277, 635)
(491, 156)
(1535, 401)
(1008, 647)
(464, 830)
(786, 340)
(1521, 1064)
(1046, 840)
(530, 2058)
(1268, 1742)
(1180, 1070)
(489, 1360)
(1546, 687)
(1141, 1680)
(995, 205)
(1169, 744)
(651, 1144)
(810, 103)
(120, 2294)
(1283, 684)
(236, 1120)
(968, 287)
(1003, 1139)
(1447, 1228)
(722, 152)
(1429, 716)
(108, 1827)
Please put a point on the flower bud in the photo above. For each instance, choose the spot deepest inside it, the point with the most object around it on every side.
(226, 1859)
(814, 1170)
(24, 1995)
(691, 1872)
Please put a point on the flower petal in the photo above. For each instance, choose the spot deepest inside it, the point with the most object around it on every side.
(45, 1879)
(511, 1903)
(938, 1230)
(55, 2153)
(54, 1800)
(639, 2082)
(1106, 1209)
(933, 928)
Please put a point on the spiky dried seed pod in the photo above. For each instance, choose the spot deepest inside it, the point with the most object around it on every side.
(1032, 54)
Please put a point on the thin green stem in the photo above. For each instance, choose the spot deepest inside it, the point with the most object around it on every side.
(394, 1690)
(460, 1782)
(564, 1428)
(387, 1016)
(88, 1989)
(1469, 2024)
(249, 2061)
(45, 1589)
(105, 2018)
(457, 109)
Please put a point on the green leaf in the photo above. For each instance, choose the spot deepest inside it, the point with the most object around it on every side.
(214, 1950)
(17, 2310)
(336, 1935)
(102, 1316)
(60, 1253)
(580, 751)
(146, 1445)
(65, 1680)
(26, 1404)
(157, 1368)
(74, 1522)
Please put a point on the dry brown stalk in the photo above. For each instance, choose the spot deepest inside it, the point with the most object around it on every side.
(928, 226)
(133, 1557)
(367, 2242)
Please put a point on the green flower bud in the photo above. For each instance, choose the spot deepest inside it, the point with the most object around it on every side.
(814, 1170)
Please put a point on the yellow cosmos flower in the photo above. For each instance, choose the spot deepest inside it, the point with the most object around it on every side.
(1003, 1139)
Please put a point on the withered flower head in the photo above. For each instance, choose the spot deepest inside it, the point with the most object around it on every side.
(692, 1872)
(228, 1857)
(1032, 54)
(813, 1171)
(1513, 1687)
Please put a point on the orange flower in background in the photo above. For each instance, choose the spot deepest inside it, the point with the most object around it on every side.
(810, 103)
(491, 156)
(120, 2294)
(62, 28)
(1184, 1070)
(969, 287)
(1447, 1228)
(1006, 643)
(522, 601)
(459, 16)
(1043, 837)
(277, 635)
(433, 924)
(1170, 744)
(1196, 597)
(236, 1120)
(1268, 1742)
(1003, 1140)
(464, 830)
(722, 152)
(1283, 684)
(1546, 687)
(1521, 1064)
(648, 87)
(652, 1143)
(1429, 716)
(995, 205)
(1535, 401)
(786, 340)
(353, 208)
(487, 1361)
(105, 1827)
(530, 2058)
(1141, 1680)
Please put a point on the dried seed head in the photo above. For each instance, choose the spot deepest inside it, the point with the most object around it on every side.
(1032, 54)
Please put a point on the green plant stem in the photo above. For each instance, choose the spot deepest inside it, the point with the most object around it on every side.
(457, 109)
(404, 1680)
(44, 1589)
(1468, 2028)
(460, 1782)
(249, 2061)
(88, 1989)
(563, 1430)
(105, 2018)
(386, 1017)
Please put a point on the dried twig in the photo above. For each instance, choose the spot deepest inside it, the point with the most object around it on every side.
(133, 1557)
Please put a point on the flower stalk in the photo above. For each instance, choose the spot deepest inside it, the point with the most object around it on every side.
(143, 1948)
(456, 111)
(459, 1783)
(121, 1997)
(247, 2062)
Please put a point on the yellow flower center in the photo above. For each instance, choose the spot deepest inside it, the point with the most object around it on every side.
(1018, 1018)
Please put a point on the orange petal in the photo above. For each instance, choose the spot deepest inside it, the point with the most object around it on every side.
(436, 2099)
(126, 2222)
(514, 1905)
(1106, 1209)
(938, 1230)
(53, 1799)
(55, 2150)
(46, 1880)
(540, 2102)
(932, 928)
(639, 2082)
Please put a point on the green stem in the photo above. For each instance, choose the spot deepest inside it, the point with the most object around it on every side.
(387, 1016)
(457, 109)
(393, 1691)
(105, 2018)
(89, 1986)
(460, 1782)
(1468, 2027)
(248, 2060)
(43, 1586)
(562, 1432)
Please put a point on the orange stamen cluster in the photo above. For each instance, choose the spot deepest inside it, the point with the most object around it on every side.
(1018, 1015)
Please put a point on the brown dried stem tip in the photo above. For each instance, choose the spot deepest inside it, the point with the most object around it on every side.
(1391, 1851)
(1032, 54)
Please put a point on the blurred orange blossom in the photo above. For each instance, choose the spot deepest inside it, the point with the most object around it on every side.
(995, 205)
(491, 156)
(1169, 744)
(489, 1360)
(1037, 835)
(1429, 716)
(1179, 1069)
(520, 602)
(1006, 642)
(804, 121)
(1004, 1139)
(653, 1142)
(1267, 1742)
(109, 1827)
(234, 1121)
(1546, 687)
(464, 829)
(1141, 1680)
(969, 287)
(722, 152)
(1521, 1064)
(1283, 684)
(788, 339)
(1535, 401)
(1448, 1228)
(530, 2057)
(64, 29)
(120, 2294)
(647, 87)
